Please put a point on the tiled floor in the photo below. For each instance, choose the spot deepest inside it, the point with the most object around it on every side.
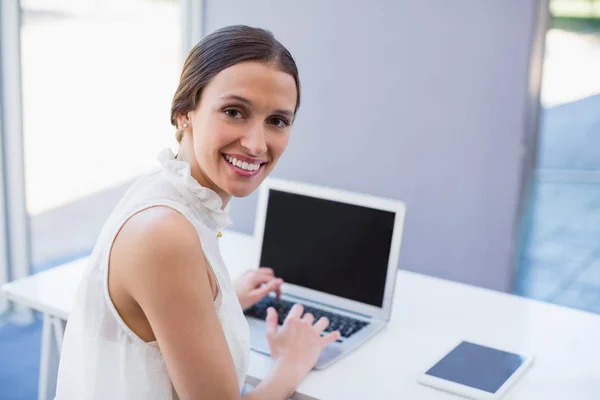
(562, 261)
(19, 360)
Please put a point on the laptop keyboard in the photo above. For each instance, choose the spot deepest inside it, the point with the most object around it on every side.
(346, 325)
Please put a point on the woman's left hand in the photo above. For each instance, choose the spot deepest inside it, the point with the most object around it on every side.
(255, 284)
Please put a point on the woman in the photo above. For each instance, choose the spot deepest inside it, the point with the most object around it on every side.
(156, 316)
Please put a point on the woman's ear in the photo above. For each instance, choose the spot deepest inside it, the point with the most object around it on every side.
(179, 119)
(183, 122)
(189, 116)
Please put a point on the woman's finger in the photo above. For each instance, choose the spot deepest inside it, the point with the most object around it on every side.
(262, 275)
(330, 338)
(295, 312)
(266, 270)
(267, 288)
(271, 322)
(308, 317)
(321, 324)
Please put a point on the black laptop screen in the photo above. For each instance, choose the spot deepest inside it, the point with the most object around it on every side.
(333, 247)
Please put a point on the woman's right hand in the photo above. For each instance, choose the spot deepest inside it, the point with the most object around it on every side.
(297, 344)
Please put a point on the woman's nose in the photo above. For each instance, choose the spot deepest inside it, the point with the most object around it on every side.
(254, 141)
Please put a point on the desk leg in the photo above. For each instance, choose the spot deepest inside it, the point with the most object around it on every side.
(52, 336)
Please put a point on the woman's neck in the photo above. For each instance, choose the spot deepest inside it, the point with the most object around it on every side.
(186, 153)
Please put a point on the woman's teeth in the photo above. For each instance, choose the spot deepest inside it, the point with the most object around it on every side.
(242, 164)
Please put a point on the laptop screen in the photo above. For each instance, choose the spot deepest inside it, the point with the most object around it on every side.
(337, 248)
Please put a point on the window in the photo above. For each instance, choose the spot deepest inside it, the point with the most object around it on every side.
(98, 77)
(561, 260)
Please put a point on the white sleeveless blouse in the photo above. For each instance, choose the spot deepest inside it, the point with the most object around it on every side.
(101, 358)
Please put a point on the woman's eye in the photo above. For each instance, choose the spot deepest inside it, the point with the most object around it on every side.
(279, 122)
(233, 113)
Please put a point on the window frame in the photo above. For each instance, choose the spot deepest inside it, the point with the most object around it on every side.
(14, 250)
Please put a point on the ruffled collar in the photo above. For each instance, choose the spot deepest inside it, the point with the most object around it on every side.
(205, 203)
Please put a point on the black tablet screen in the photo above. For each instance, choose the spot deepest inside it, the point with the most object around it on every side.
(477, 366)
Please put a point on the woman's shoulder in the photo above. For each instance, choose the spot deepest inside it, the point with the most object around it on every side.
(158, 228)
(154, 243)
(156, 261)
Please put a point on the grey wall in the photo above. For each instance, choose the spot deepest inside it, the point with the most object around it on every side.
(422, 101)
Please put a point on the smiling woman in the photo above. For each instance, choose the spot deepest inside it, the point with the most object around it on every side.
(235, 103)
(245, 114)
(157, 316)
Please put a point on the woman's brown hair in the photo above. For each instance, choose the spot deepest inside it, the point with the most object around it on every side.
(223, 49)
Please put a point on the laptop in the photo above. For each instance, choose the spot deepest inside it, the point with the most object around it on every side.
(337, 253)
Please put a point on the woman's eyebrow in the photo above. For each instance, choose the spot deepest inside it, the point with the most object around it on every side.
(285, 113)
(238, 98)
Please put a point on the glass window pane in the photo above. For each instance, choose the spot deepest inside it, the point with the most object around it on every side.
(560, 261)
(98, 79)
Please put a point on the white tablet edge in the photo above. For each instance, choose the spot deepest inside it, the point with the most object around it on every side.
(467, 391)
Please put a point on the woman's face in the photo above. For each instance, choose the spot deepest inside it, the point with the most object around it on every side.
(241, 127)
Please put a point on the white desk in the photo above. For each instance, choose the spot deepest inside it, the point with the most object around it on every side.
(429, 316)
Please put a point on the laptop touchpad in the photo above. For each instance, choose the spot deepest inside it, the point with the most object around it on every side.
(329, 353)
(258, 336)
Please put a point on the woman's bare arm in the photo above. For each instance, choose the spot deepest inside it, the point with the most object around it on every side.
(158, 259)
(157, 264)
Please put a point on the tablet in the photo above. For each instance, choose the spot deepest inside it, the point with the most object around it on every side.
(475, 371)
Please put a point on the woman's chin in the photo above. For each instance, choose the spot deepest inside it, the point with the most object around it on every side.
(238, 190)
